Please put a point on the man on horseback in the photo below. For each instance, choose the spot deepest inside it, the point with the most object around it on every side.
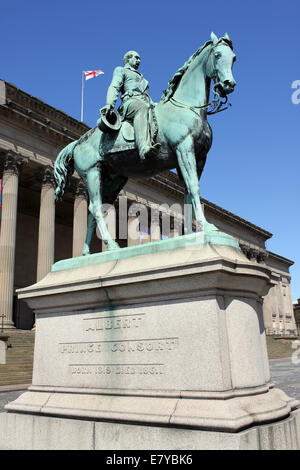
(136, 101)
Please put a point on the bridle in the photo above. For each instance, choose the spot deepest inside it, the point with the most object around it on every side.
(216, 103)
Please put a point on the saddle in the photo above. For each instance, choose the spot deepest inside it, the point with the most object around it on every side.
(113, 141)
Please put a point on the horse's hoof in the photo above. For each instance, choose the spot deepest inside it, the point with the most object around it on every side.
(207, 227)
(112, 246)
(86, 251)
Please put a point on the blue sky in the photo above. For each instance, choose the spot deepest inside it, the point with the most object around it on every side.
(253, 167)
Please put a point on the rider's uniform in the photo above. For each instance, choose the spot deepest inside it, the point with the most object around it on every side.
(134, 89)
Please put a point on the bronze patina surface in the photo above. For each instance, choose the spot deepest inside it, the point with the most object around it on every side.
(183, 137)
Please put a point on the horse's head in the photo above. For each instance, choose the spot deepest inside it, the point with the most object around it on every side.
(219, 64)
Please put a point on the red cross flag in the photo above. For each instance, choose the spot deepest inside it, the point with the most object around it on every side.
(87, 74)
(92, 73)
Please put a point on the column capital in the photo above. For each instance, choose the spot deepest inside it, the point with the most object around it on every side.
(12, 162)
(46, 176)
(79, 189)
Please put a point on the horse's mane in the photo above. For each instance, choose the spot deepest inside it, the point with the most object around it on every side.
(174, 82)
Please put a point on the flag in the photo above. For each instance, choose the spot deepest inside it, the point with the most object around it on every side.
(87, 74)
(92, 73)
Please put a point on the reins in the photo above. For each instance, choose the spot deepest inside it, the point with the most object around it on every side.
(216, 104)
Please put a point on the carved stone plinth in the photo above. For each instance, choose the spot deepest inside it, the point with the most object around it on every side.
(169, 347)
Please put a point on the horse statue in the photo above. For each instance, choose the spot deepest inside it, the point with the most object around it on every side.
(183, 132)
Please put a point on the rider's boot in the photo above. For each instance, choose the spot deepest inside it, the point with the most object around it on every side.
(141, 130)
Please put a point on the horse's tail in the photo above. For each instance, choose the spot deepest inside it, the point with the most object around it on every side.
(63, 169)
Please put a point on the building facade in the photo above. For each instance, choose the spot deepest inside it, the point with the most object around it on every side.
(297, 316)
(36, 232)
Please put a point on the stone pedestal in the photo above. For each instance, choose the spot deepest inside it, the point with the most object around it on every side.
(162, 350)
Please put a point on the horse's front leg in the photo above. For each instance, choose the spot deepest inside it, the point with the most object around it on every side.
(94, 186)
(187, 164)
(200, 165)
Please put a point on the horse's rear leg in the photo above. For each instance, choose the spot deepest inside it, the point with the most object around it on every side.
(94, 186)
(91, 225)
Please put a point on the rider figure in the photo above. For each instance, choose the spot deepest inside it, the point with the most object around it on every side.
(135, 101)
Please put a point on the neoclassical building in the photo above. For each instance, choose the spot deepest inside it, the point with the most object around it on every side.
(297, 315)
(35, 232)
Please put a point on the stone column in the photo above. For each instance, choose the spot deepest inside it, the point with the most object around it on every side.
(145, 235)
(12, 164)
(133, 231)
(175, 228)
(46, 224)
(290, 307)
(80, 218)
(165, 224)
(155, 231)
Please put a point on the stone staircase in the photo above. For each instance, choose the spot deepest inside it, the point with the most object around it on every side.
(19, 358)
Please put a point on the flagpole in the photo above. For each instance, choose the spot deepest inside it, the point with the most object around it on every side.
(82, 89)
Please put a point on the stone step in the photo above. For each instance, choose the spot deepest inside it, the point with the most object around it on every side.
(15, 370)
(21, 379)
(15, 376)
(17, 361)
(19, 358)
(26, 380)
(12, 372)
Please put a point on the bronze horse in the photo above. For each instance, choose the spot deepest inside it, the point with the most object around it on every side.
(183, 132)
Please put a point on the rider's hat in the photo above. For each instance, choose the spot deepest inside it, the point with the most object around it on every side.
(109, 121)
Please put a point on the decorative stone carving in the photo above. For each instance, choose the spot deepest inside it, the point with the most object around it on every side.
(46, 176)
(262, 256)
(253, 253)
(12, 163)
(79, 190)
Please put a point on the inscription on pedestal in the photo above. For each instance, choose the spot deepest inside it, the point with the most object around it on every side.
(133, 345)
(118, 369)
(127, 345)
(116, 322)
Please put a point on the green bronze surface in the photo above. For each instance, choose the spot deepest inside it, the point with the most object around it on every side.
(183, 136)
(193, 240)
